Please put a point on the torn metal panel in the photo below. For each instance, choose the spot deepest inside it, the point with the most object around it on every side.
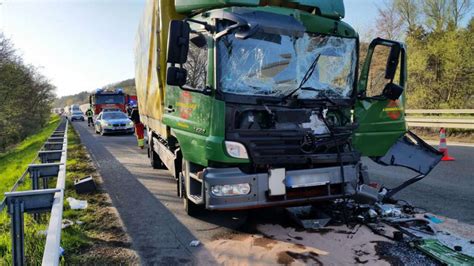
(411, 152)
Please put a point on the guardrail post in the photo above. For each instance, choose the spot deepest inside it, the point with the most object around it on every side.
(34, 175)
(32, 201)
(16, 209)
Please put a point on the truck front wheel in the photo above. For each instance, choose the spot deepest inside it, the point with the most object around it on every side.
(191, 208)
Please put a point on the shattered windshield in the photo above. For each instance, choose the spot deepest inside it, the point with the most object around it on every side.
(274, 65)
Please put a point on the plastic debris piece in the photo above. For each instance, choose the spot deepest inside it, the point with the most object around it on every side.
(85, 185)
(66, 223)
(61, 251)
(78, 222)
(76, 204)
(433, 219)
(444, 254)
(308, 218)
(372, 213)
(194, 243)
(388, 210)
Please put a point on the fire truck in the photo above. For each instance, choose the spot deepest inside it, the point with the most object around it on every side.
(110, 99)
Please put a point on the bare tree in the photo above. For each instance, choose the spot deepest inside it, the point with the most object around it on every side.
(389, 22)
(437, 13)
(458, 10)
(409, 11)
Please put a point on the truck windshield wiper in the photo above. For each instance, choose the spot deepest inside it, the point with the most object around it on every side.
(306, 76)
(321, 96)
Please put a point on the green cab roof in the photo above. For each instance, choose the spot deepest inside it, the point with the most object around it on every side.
(326, 8)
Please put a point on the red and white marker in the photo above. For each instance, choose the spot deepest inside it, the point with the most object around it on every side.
(443, 146)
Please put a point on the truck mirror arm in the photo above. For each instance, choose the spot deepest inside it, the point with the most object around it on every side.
(207, 26)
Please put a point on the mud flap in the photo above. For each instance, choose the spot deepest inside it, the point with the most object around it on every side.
(411, 152)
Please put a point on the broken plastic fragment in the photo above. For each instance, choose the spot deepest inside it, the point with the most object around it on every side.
(194, 243)
(316, 125)
(77, 204)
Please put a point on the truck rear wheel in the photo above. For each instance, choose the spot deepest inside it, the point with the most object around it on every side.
(155, 160)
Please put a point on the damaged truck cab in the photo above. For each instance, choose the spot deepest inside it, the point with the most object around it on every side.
(254, 103)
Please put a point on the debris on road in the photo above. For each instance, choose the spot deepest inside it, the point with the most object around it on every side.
(85, 185)
(308, 217)
(444, 254)
(66, 223)
(433, 219)
(77, 204)
(194, 243)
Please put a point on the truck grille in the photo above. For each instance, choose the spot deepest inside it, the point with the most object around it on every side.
(284, 147)
(118, 125)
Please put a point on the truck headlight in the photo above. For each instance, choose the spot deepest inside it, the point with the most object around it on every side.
(130, 124)
(230, 190)
(236, 150)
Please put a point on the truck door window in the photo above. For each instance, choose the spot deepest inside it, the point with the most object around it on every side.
(376, 81)
(196, 64)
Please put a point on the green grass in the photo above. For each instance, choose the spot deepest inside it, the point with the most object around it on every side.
(79, 241)
(86, 244)
(12, 165)
(14, 162)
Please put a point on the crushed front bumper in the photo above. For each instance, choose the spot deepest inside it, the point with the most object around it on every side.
(300, 187)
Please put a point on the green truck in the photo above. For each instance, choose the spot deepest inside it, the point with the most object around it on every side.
(256, 103)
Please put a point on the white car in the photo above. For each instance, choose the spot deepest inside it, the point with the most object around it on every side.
(113, 122)
(76, 115)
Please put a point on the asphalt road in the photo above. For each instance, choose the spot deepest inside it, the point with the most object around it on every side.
(146, 197)
(161, 231)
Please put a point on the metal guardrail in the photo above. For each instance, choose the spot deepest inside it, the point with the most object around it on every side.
(40, 200)
(434, 118)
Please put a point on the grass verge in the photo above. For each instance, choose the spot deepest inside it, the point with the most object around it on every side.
(12, 165)
(97, 235)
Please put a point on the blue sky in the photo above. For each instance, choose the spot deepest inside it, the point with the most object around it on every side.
(85, 44)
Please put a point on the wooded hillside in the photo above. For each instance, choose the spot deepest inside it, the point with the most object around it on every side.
(25, 97)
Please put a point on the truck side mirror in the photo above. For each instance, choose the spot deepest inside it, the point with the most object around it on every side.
(199, 40)
(392, 62)
(392, 91)
(178, 42)
(176, 76)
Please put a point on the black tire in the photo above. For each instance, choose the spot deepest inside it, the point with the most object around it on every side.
(155, 160)
(191, 208)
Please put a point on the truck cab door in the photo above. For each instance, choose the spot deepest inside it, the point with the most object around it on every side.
(379, 111)
(188, 103)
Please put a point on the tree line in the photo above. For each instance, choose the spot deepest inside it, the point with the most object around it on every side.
(26, 97)
(440, 49)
